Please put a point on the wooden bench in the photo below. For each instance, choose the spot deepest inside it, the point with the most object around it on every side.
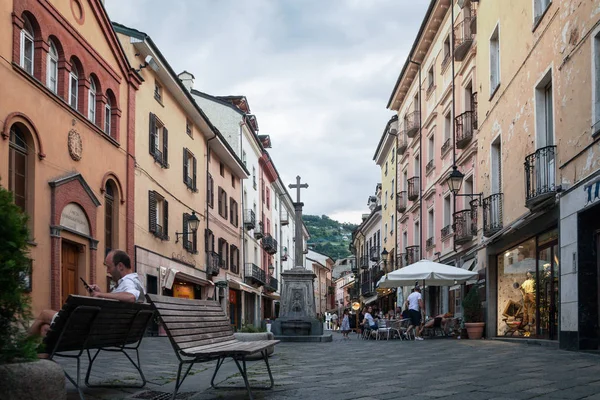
(88, 324)
(199, 331)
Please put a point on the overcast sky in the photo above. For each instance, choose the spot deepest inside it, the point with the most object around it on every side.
(317, 74)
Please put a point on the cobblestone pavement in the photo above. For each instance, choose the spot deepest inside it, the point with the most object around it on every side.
(358, 369)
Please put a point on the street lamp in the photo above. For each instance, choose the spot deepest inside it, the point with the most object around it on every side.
(271, 269)
(454, 180)
(384, 255)
(193, 223)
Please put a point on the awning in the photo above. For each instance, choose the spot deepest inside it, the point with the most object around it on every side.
(193, 279)
(236, 284)
(370, 299)
(272, 296)
(469, 264)
(171, 274)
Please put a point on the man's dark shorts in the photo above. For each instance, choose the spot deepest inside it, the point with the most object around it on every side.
(415, 317)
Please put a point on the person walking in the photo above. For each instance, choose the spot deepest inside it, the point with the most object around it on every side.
(345, 325)
(415, 308)
(334, 322)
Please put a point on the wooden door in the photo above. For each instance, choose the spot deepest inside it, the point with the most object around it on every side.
(69, 272)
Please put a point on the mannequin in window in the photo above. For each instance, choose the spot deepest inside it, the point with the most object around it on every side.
(528, 290)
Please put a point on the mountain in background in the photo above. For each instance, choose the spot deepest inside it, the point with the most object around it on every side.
(328, 236)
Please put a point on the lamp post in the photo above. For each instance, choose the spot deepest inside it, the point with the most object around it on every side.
(384, 255)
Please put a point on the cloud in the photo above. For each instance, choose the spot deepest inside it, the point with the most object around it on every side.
(317, 74)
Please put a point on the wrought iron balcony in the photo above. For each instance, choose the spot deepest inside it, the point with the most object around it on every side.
(401, 201)
(413, 254)
(249, 219)
(446, 60)
(213, 262)
(272, 284)
(430, 242)
(412, 123)
(258, 231)
(364, 262)
(414, 188)
(466, 123)
(402, 142)
(492, 214)
(540, 176)
(465, 226)
(254, 274)
(446, 146)
(366, 285)
(429, 166)
(269, 244)
(446, 231)
(463, 38)
(374, 253)
(401, 260)
(284, 217)
(376, 274)
(223, 263)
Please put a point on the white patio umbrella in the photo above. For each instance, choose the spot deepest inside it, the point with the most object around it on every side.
(426, 272)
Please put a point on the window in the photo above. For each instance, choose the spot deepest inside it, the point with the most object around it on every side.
(446, 52)
(392, 224)
(222, 169)
(107, 116)
(431, 221)
(222, 198)
(404, 241)
(447, 126)
(268, 192)
(385, 198)
(494, 61)
(111, 214)
(158, 215)
(190, 239)
(233, 212)
(73, 86)
(496, 170)
(92, 101)
(596, 83)
(159, 138)
(234, 261)
(544, 113)
(210, 191)
(188, 127)
(431, 148)
(275, 202)
(447, 211)
(244, 158)
(27, 49)
(392, 194)
(430, 78)
(232, 181)
(189, 170)
(386, 168)
(209, 240)
(539, 8)
(385, 229)
(158, 92)
(18, 173)
(417, 238)
(254, 178)
(52, 68)
(223, 250)
(393, 154)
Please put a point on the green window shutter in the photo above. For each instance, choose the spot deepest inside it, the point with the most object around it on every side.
(152, 131)
(152, 211)
(194, 174)
(165, 144)
(185, 231)
(166, 220)
(185, 166)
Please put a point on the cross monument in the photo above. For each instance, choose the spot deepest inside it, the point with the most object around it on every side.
(299, 249)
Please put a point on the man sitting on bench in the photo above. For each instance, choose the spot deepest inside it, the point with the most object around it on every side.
(129, 289)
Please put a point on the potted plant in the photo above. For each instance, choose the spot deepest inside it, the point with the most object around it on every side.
(23, 376)
(472, 313)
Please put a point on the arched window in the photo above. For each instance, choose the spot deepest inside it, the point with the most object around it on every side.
(73, 86)
(52, 67)
(18, 166)
(92, 101)
(27, 48)
(107, 116)
(111, 216)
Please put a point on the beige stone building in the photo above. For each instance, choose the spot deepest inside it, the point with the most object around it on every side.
(538, 162)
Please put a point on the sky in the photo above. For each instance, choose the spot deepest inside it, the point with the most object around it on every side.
(317, 74)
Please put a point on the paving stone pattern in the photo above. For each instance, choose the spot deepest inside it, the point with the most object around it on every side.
(358, 369)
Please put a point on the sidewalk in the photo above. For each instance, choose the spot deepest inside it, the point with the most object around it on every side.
(358, 369)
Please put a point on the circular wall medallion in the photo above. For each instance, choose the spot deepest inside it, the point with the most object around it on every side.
(75, 145)
(77, 10)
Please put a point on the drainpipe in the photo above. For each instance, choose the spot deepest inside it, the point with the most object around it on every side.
(453, 113)
(207, 207)
(243, 244)
(420, 166)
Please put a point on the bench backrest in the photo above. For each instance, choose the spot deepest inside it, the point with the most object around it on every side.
(91, 323)
(192, 323)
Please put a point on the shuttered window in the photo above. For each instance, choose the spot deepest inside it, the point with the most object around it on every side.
(209, 240)
(189, 170)
(210, 191)
(158, 215)
(222, 198)
(233, 212)
(190, 239)
(158, 136)
(234, 259)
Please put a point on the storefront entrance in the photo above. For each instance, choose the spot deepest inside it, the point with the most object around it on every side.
(69, 270)
(234, 308)
(547, 291)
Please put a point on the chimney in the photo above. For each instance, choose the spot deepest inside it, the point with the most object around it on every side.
(187, 79)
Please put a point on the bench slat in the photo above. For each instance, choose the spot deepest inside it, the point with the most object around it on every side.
(216, 338)
(179, 307)
(197, 331)
(235, 347)
(192, 313)
(174, 300)
(169, 318)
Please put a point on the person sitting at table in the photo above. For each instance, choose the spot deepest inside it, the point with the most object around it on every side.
(444, 323)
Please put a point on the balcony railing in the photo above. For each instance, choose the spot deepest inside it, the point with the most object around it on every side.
(430, 242)
(213, 262)
(446, 146)
(429, 167)
(446, 231)
(272, 284)
(413, 188)
(366, 284)
(376, 274)
(284, 253)
(402, 142)
(258, 231)
(254, 274)
(364, 262)
(401, 201)
(284, 217)
(223, 263)
(412, 254)
(401, 260)
(465, 226)
(412, 123)
(492, 214)
(466, 123)
(269, 244)
(249, 219)
(446, 60)
(374, 253)
(540, 176)
(463, 38)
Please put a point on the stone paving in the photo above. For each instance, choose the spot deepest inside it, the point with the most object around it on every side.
(358, 369)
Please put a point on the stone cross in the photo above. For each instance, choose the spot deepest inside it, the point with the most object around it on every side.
(299, 251)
